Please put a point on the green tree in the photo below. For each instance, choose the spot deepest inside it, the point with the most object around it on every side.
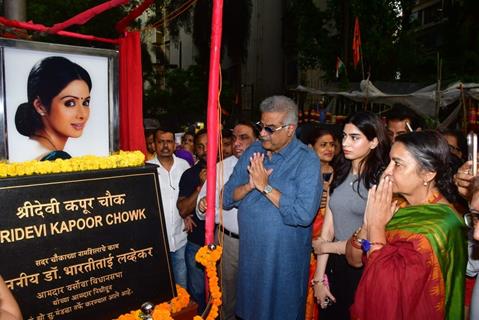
(236, 29)
(461, 41)
(50, 12)
(184, 99)
(304, 24)
(235, 36)
(387, 41)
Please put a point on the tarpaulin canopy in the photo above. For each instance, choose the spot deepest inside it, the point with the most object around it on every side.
(423, 101)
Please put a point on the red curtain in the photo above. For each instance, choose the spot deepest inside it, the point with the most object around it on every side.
(131, 94)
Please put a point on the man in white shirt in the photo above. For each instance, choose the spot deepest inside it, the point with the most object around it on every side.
(244, 135)
(170, 169)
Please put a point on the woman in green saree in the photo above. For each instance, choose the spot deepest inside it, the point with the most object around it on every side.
(414, 256)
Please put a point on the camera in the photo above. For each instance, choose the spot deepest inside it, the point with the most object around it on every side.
(471, 217)
(472, 151)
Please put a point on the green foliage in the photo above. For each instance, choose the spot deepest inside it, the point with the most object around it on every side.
(103, 25)
(50, 12)
(181, 21)
(391, 43)
(461, 39)
(380, 24)
(184, 99)
(202, 31)
(304, 26)
(236, 29)
(388, 45)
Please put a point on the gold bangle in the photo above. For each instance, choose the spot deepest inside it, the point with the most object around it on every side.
(355, 242)
(315, 282)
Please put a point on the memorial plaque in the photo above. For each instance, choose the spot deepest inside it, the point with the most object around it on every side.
(87, 245)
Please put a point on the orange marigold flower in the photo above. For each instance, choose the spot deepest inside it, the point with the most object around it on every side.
(206, 257)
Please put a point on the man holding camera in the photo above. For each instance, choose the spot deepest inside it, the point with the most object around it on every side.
(468, 187)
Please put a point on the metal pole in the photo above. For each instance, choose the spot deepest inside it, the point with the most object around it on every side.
(15, 9)
(438, 88)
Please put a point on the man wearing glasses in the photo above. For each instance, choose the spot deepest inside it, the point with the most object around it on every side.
(276, 186)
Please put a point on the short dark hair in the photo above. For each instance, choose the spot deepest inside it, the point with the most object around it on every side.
(199, 134)
(226, 133)
(163, 130)
(149, 132)
(250, 125)
(166, 128)
(317, 133)
(401, 112)
(189, 133)
(47, 78)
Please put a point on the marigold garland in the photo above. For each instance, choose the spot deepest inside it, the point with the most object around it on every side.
(208, 257)
(163, 310)
(122, 159)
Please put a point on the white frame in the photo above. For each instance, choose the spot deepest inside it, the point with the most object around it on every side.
(100, 136)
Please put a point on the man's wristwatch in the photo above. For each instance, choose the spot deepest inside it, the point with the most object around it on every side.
(267, 189)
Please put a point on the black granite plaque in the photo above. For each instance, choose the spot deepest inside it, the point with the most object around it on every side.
(87, 245)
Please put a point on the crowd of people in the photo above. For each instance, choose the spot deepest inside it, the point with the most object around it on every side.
(366, 225)
(378, 223)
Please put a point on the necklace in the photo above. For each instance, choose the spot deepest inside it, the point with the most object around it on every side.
(48, 140)
(434, 198)
(354, 178)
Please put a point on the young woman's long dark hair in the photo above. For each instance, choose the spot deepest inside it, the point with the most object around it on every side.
(46, 80)
(371, 167)
(431, 151)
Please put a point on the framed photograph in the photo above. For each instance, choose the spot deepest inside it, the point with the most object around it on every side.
(42, 108)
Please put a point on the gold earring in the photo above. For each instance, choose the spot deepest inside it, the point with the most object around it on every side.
(425, 183)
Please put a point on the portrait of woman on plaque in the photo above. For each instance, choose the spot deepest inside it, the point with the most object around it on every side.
(59, 101)
(58, 106)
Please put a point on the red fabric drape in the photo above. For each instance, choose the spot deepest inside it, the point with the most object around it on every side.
(131, 94)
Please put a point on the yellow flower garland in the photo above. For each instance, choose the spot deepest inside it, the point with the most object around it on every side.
(208, 257)
(121, 160)
(163, 310)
